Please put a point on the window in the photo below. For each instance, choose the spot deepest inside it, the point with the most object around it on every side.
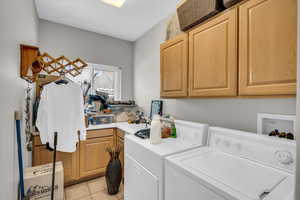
(104, 81)
(101, 78)
(107, 79)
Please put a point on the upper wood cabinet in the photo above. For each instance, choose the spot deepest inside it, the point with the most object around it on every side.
(247, 50)
(213, 57)
(174, 67)
(267, 47)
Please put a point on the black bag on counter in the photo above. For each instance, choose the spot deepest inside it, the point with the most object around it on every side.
(193, 12)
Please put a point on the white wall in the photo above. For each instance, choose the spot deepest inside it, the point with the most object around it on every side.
(238, 113)
(58, 40)
(19, 24)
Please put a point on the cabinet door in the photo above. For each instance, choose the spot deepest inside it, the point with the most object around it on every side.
(93, 156)
(120, 142)
(120, 134)
(121, 157)
(70, 162)
(268, 39)
(213, 57)
(173, 67)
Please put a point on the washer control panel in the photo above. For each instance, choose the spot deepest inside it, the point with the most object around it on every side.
(259, 148)
(284, 157)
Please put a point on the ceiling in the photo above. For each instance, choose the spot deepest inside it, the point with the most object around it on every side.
(128, 22)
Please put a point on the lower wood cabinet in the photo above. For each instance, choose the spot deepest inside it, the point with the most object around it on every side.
(70, 162)
(120, 142)
(90, 159)
(93, 156)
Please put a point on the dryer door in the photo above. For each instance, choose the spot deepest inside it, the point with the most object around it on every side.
(139, 182)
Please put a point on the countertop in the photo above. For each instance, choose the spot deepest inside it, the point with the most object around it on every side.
(124, 126)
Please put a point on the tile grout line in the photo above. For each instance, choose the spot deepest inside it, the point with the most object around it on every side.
(90, 194)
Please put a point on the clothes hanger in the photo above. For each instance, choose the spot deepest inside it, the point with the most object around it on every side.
(63, 79)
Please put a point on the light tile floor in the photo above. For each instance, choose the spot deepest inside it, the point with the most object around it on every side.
(92, 190)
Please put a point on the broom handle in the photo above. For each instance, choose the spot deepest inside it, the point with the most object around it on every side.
(20, 159)
(53, 168)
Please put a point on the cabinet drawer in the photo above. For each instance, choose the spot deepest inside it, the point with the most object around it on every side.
(99, 133)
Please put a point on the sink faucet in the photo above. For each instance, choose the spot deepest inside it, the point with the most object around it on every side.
(148, 122)
(142, 118)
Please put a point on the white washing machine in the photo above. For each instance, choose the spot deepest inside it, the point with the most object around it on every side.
(144, 162)
(235, 165)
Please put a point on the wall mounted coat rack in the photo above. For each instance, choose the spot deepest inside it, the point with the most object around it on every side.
(33, 62)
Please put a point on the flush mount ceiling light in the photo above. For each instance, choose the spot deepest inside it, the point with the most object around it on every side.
(116, 3)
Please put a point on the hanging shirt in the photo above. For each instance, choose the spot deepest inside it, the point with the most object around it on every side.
(61, 110)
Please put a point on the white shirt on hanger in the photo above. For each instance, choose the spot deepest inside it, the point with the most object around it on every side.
(61, 110)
